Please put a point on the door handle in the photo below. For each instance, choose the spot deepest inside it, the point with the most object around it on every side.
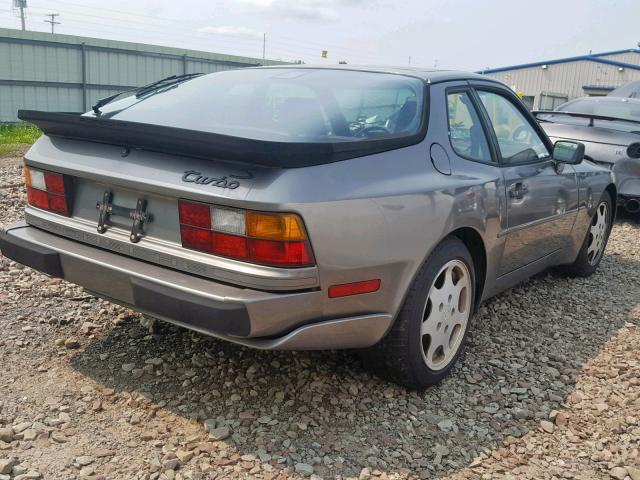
(518, 190)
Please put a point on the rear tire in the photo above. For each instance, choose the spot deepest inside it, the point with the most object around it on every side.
(430, 332)
(595, 242)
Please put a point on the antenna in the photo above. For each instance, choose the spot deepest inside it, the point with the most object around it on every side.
(21, 5)
(53, 20)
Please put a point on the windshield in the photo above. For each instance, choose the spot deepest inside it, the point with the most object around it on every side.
(286, 105)
(607, 107)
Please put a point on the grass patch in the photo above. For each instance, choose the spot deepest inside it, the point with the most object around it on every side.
(13, 138)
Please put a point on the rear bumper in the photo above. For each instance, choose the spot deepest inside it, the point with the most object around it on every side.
(250, 317)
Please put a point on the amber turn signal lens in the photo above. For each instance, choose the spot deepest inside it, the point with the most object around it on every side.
(27, 176)
(284, 227)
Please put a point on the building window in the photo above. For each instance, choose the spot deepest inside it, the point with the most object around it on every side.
(549, 101)
(528, 101)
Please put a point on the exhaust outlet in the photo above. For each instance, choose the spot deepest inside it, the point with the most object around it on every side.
(632, 206)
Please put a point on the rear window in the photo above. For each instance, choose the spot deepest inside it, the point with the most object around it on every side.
(285, 105)
(606, 107)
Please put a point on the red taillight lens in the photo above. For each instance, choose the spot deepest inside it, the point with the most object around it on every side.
(230, 245)
(196, 238)
(270, 252)
(268, 239)
(54, 183)
(195, 214)
(37, 198)
(48, 191)
(59, 204)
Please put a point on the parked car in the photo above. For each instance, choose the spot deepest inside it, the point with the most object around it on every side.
(312, 208)
(628, 90)
(609, 127)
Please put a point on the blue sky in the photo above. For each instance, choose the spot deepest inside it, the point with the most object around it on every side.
(460, 34)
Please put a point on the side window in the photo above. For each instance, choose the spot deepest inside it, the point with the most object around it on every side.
(465, 130)
(518, 141)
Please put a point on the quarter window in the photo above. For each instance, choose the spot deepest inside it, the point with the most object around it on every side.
(465, 130)
(517, 139)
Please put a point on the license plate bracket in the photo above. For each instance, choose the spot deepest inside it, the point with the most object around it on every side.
(106, 208)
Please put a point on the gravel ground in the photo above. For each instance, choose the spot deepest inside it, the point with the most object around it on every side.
(549, 388)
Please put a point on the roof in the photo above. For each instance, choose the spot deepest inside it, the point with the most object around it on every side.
(603, 88)
(27, 37)
(630, 90)
(608, 99)
(428, 75)
(593, 57)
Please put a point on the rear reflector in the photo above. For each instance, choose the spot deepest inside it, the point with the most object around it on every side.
(356, 288)
(272, 239)
(48, 191)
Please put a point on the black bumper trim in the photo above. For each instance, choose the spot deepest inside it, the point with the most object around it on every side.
(35, 256)
(224, 317)
(231, 318)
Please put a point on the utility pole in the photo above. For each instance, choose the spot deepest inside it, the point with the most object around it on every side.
(264, 45)
(53, 20)
(21, 4)
(409, 60)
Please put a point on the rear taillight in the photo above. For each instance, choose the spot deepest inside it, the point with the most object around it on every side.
(275, 239)
(48, 191)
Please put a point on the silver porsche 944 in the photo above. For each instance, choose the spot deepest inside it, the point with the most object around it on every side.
(311, 208)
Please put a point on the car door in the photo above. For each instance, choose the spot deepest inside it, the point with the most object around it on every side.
(541, 195)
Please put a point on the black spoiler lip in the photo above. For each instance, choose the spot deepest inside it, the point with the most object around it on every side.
(583, 115)
(193, 143)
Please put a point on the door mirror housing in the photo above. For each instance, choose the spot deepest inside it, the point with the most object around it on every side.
(568, 152)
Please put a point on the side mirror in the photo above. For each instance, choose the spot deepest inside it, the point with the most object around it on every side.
(568, 152)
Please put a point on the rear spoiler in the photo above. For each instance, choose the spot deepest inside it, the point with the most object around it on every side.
(193, 143)
(582, 115)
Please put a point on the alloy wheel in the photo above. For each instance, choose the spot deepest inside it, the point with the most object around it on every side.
(598, 233)
(446, 314)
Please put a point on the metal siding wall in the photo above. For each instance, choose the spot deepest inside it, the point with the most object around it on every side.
(42, 57)
(95, 94)
(39, 63)
(565, 78)
(13, 98)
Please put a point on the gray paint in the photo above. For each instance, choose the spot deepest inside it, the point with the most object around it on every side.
(607, 145)
(378, 216)
(53, 72)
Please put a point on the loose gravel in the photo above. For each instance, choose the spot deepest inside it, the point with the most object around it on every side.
(549, 388)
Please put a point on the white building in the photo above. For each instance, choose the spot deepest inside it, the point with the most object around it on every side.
(545, 85)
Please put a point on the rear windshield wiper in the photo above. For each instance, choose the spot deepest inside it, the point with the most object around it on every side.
(140, 91)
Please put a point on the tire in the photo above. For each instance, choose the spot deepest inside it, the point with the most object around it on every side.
(597, 236)
(409, 356)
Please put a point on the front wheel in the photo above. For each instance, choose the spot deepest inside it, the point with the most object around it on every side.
(429, 333)
(595, 242)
